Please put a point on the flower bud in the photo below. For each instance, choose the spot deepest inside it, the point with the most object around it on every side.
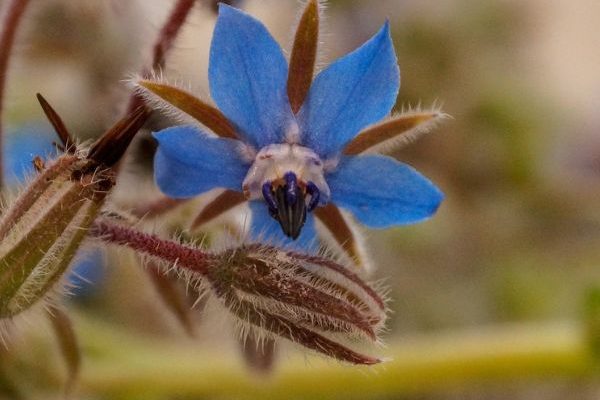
(315, 291)
(273, 293)
(43, 228)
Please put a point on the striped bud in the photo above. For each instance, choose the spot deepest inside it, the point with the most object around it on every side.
(43, 228)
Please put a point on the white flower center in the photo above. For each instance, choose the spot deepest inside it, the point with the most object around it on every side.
(274, 161)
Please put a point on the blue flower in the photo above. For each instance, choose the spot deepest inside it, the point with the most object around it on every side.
(291, 164)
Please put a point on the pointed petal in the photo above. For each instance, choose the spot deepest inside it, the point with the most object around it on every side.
(221, 204)
(247, 75)
(304, 56)
(189, 161)
(394, 133)
(382, 192)
(265, 229)
(355, 91)
(201, 111)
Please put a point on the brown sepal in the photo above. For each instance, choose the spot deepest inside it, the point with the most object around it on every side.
(157, 207)
(390, 129)
(224, 202)
(285, 328)
(174, 300)
(57, 123)
(259, 355)
(67, 340)
(304, 56)
(109, 149)
(268, 282)
(202, 112)
(335, 223)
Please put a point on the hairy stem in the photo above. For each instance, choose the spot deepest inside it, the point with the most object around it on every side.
(165, 40)
(16, 9)
(186, 257)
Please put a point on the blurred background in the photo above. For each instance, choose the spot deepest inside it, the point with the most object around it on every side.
(496, 297)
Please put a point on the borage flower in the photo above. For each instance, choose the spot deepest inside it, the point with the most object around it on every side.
(291, 146)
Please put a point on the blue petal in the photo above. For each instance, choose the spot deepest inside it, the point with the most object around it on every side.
(355, 91)
(248, 77)
(265, 229)
(383, 192)
(188, 162)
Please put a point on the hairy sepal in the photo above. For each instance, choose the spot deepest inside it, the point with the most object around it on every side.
(270, 292)
(43, 229)
(395, 132)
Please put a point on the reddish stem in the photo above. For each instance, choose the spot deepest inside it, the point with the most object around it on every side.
(167, 250)
(16, 9)
(166, 37)
(170, 30)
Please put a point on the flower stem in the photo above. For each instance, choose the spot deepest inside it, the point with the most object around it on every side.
(169, 31)
(187, 257)
(165, 40)
(16, 9)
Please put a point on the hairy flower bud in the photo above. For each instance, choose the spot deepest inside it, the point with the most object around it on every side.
(43, 228)
(274, 293)
(306, 299)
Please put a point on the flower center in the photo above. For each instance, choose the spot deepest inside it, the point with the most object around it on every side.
(290, 179)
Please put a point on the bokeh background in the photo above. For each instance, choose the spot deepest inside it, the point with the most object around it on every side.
(496, 297)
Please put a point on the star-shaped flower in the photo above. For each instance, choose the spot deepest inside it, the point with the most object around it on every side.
(292, 146)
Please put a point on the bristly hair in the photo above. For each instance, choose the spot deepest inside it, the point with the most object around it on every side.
(271, 292)
(154, 101)
(410, 136)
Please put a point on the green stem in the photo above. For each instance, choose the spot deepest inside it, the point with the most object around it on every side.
(424, 364)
